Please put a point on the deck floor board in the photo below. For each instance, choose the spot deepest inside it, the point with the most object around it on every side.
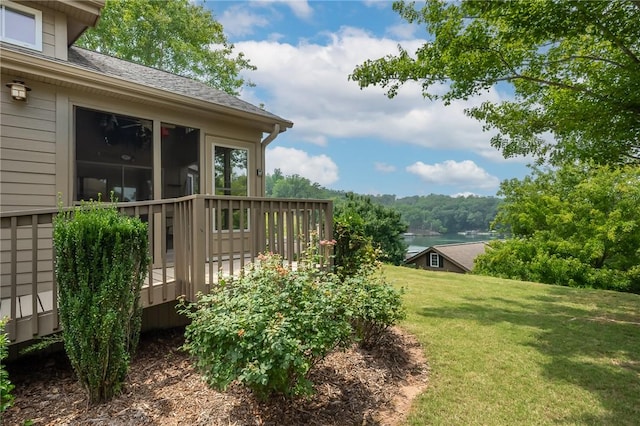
(45, 300)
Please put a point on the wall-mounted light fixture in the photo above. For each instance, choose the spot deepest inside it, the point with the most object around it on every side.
(18, 90)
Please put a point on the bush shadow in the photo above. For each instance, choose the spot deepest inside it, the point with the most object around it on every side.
(346, 393)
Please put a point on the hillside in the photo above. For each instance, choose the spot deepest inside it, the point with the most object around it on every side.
(505, 352)
(422, 214)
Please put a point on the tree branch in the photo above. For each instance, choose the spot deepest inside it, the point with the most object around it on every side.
(626, 50)
(515, 76)
(588, 57)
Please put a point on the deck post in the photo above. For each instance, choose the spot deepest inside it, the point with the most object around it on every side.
(199, 260)
(328, 229)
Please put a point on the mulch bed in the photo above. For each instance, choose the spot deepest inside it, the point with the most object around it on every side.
(354, 387)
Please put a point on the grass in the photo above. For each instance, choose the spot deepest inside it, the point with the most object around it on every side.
(505, 352)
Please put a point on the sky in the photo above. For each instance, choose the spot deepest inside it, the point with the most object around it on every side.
(349, 139)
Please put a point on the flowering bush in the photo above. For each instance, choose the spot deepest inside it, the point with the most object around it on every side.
(268, 327)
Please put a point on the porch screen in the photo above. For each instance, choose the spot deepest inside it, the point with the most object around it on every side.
(113, 154)
(180, 163)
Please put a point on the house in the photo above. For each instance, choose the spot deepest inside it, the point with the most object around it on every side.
(185, 157)
(457, 257)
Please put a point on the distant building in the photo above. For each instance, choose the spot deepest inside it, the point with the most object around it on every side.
(457, 257)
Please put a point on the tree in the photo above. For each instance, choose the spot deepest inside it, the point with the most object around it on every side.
(296, 186)
(271, 180)
(383, 225)
(574, 67)
(445, 214)
(577, 226)
(177, 36)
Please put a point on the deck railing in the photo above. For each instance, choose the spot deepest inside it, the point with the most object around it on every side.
(192, 240)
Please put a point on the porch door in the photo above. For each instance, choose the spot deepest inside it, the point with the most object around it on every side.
(228, 175)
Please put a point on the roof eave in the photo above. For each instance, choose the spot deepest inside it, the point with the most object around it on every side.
(81, 14)
(73, 76)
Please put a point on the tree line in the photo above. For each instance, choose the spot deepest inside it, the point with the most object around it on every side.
(421, 214)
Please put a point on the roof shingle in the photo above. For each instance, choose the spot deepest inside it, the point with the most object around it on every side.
(462, 253)
(152, 77)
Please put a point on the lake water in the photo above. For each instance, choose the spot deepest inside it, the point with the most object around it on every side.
(419, 242)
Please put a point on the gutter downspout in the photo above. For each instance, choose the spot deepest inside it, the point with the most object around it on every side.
(274, 133)
(264, 143)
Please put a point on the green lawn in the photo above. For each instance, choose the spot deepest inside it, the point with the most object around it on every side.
(505, 352)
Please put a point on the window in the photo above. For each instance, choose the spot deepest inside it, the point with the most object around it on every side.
(230, 177)
(434, 260)
(230, 171)
(21, 25)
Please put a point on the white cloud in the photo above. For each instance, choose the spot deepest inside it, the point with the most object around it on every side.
(308, 84)
(402, 31)
(276, 36)
(319, 140)
(300, 8)
(463, 194)
(316, 168)
(384, 167)
(239, 21)
(380, 4)
(463, 174)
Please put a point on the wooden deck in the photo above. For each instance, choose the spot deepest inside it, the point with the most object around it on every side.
(189, 244)
(45, 299)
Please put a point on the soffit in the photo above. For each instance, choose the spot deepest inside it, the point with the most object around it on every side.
(86, 12)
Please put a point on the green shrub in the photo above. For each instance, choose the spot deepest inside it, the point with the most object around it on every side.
(533, 259)
(353, 247)
(101, 262)
(268, 327)
(375, 305)
(381, 224)
(6, 399)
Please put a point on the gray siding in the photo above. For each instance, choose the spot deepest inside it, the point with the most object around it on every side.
(48, 33)
(27, 150)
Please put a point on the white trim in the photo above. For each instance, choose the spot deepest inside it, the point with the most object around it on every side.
(37, 17)
(433, 264)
